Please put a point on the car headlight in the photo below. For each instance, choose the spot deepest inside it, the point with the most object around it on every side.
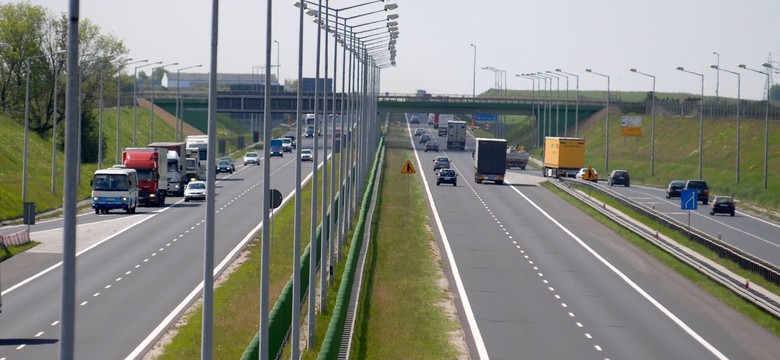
(124, 200)
(151, 195)
(95, 198)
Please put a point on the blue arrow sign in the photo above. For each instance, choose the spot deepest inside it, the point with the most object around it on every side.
(689, 200)
(484, 117)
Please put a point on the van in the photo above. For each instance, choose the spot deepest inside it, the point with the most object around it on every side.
(114, 188)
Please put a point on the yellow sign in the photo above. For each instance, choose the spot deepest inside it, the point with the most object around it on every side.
(631, 131)
(590, 175)
(408, 168)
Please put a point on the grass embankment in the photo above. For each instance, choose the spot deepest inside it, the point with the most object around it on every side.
(725, 295)
(39, 165)
(402, 313)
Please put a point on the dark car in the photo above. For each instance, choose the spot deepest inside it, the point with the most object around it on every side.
(723, 205)
(424, 138)
(224, 166)
(701, 188)
(674, 188)
(619, 177)
(446, 176)
(229, 159)
(414, 120)
(431, 146)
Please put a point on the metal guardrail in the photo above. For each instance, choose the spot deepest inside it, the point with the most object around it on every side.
(766, 301)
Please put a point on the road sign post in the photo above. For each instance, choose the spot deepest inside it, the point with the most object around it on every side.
(408, 169)
(689, 200)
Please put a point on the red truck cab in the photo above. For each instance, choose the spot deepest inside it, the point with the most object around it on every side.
(151, 166)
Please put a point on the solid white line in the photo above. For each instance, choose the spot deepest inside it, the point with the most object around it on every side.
(627, 280)
(475, 333)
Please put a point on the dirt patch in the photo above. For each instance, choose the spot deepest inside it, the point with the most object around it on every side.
(457, 337)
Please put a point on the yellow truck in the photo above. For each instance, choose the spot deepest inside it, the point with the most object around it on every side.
(563, 156)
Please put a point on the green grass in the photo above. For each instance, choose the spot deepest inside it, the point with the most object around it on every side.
(400, 316)
(724, 294)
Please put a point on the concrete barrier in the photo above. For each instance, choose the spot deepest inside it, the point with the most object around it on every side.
(17, 238)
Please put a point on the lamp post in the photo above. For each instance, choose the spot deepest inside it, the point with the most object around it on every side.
(474, 74)
(717, 77)
(533, 100)
(557, 102)
(54, 128)
(768, 73)
(118, 106)
(278, 65)
(606, 124)
(542, 105)
(179, 120)
(577, 103)
(135, 96)
(548, 98)
(151, 102)
(739, 87)
(26, 125)
(701, 116)
(566, 111)
(652, 124)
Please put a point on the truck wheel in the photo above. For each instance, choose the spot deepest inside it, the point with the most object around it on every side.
(129, 210)
(97, 211)
(499, 182)
(522, 168)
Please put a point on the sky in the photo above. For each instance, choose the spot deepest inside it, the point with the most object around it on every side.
(434, 49)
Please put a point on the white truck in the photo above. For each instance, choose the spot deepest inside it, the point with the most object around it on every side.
(114, 188)
(516, 157)
(176, 169)
(197, 147)
(456, 134)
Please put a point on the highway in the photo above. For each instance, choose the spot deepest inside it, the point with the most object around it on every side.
(135, 273)
(535, 278)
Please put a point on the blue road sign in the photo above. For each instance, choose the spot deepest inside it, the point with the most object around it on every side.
(689, 200)
(484, 117)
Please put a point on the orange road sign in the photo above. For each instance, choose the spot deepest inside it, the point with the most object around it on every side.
(408, 168)
(590, 175)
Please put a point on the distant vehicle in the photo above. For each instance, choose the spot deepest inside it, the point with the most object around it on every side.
(441, 162)
(619, 177)
(581, 174)
(151, 166)
(516, 157)
(456, 135)
(442, 131)
(177, 173)
(191, 171)
(292, 137)
(114, 188)
(224, 166)
(424, 138)
(563, 156)
(414, 119)
(277, 148)
(419, 131)
(723, 205)
(702, 189)
(230, 160)
(196, 146)
(431, 146)
(674, 188)
(196, 190)
(489, 160)
(309, 131)
(306, 155)
(287, 144)
(251, 158)
(447, 176)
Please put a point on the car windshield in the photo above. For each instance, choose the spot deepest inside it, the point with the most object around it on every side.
(447, 173)
(224, 162)
(305, 152)
(110, 182)
(722, 200)
(196, 186)
(250, 155)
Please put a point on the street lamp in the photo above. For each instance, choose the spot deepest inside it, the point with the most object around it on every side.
(717, 76)
(739, 86)
(119, 104)
(474, 74)
(606, 123)
(557, 102)
(577, 103)
(701, 116)
(54, 127)
(135, 97)
(278, 65)
(652, 124)
(768, 73)
(151, 102)
(566, 112)
(533, 100)
(26, 125)
(180, 121)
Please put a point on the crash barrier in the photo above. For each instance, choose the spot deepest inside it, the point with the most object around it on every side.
(747, 261)
(332, 342)
(760, 297)
(280, 317)
(17, 238)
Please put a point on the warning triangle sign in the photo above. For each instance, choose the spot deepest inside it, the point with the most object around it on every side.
(408, 168)
(590, 175)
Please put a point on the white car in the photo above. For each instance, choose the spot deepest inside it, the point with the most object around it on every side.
(196, 190)
(419, 131)
(251, 158)
(287, 144)
(306, 155)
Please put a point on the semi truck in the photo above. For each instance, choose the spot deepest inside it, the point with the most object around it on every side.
(490, 160)
(516, 157)
(456, 134)
(563, 156)
(191, 169)
(276, 148)
(114, 188)
(176, 168)
(151, 166)
(197, 147)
